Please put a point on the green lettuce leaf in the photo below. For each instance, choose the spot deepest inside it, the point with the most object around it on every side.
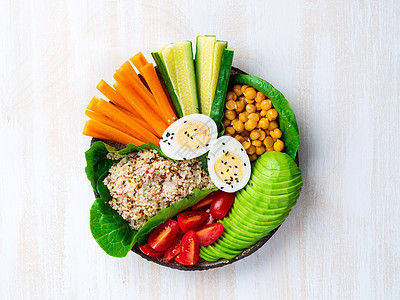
(168, 213)
(113, 234)
(286, 119)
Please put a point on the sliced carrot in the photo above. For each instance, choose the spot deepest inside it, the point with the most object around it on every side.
(99, 117)
(140, 121)
(93, 103)
(142, 108)
(127, 122)
(150, 75)
(112, 95)
(139, 61)
(103, 131)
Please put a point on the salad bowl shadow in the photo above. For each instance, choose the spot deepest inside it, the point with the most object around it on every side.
(202, 264)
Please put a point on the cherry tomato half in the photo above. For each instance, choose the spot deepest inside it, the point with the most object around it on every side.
(163, 235)
(203, 203)
(189, 248)
(191, 220)
(221, 204)
(146, 249)
(209, 234)
(210, 219)
(174, 249)
(179, 260)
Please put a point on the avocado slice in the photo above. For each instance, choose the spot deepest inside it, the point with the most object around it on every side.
(274, 191)
(259, 216)
(273, 160)
(262, 210)
(260, 170)
(251, 228)
(239, 234)
(239, 227)
(247, 219)
(277, 183)
(266, 201)
(206, 256)
(228, 251)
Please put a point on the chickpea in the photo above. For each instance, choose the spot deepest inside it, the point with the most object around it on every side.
(251, 108)
(266, 104)
(240, 105)
(255, 134)
(254, 116)
(272, 114)
(260, 150)
(250, 101)
(238, 126)
(258, 106)
(270, 149)
(268, 142)
(230, 104)
(260, 97)
(230, 114)
(272, 125)
(230, 130)
(257, 143)
(231, 96)
(253, 157)
(263, 123)
(233, 121)
(250, 124)
(251, 150)
(263, 113)
(245, 133)
(250, 93)
(244, 116)
(239, 138)
(262, 135)
(276, 133)
(226, 122)
(243, 89)
(242, 98)
(237, 89)
(279, 145)
(246, 145)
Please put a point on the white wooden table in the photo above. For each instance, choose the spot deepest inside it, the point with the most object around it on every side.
(336, 61)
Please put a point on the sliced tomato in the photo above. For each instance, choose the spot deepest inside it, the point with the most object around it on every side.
(209, 234)
(221, 204)
(210, 219)
(163, 235)
(179, 260)
(191, 220)
(203, 203)
(189, 254)
(174, 249)
(146, 249)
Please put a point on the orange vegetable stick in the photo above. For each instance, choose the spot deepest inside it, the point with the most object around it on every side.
(93, 103)
(99, 117)
(139, 61)
(139, 89)
(149, 73)
(140, 121)
(102, 131)
(142, 108)
(112, 95)
(127, 122)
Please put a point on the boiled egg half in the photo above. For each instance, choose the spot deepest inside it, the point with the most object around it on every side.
(228, 164)
(189, 137)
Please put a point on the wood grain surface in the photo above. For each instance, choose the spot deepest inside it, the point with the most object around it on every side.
(336, 61)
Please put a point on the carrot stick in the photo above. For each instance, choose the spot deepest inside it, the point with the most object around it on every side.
(140, 121)
(112, 95)
(99, 117)
(139, 61)
(142, 108)
(149, 73)
(127, 122)
(93, 103)
(102, 131)
(140, 90)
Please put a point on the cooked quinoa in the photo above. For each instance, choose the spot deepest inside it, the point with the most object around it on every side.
(144, 182)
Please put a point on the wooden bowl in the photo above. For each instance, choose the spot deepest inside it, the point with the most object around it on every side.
(202, 264)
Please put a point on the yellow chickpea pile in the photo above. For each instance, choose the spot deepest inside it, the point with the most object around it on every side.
(251, 119)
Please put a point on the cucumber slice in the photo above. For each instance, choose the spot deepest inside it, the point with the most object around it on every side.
(218, 50)
(204, 70)
(185, 77)
(157, 56)
(217, 109)
(168, 57)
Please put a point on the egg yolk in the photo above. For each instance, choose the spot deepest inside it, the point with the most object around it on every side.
(193, 135)
(229, 168)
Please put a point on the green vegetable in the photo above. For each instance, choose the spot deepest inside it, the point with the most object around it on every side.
(286, 119)
(157, 56)
(219, 48)
(110, 230)
(204, 70)
(168, 213)
(217, 109)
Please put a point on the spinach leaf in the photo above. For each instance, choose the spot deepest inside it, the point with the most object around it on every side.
(113, 234)
(168, 213)
(286, 118)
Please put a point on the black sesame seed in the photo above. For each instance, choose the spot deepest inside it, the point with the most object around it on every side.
(208, 158)
(184, 121)
(231, 186)
(195, 129)
(191, 138)
(167, 135)
(244, 164)
(241, 149)
(235, 174)
(197, 147)
(221, 188)
(233, 157)
(169, 143)
(223, 144)
(206, 145)
(172, 133)
(185, 132)
(222, 172)
(236, 167)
